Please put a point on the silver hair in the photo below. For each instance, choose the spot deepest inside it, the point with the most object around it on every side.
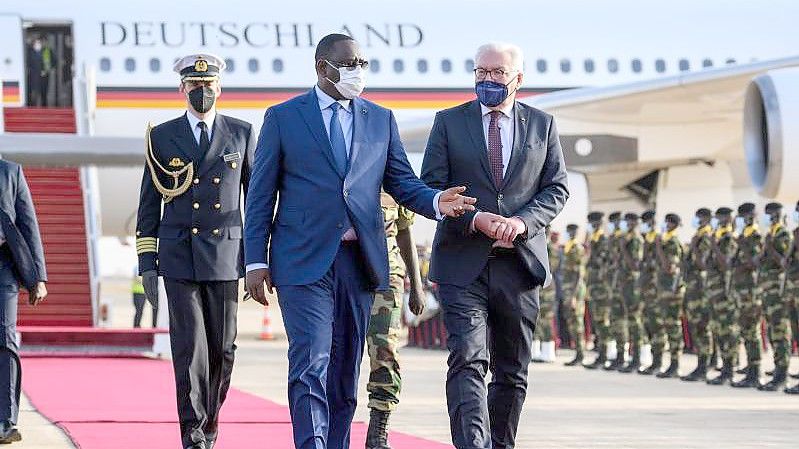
(516, 54)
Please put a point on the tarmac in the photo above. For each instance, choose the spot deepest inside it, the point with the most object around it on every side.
(565, 407)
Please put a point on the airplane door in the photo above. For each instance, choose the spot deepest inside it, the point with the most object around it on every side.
(12, 60)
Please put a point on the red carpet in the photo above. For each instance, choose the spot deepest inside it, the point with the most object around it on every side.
(130, 403)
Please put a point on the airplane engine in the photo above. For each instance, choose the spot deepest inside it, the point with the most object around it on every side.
(771, 133)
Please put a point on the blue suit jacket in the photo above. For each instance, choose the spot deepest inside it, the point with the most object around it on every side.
(294, 162)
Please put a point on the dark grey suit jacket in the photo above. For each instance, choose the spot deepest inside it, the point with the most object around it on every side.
(534, 188)
(19, 221)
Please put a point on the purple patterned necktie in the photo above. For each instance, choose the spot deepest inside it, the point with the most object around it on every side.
(495, 148)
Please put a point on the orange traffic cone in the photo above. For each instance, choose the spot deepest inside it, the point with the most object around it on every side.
(266, 326)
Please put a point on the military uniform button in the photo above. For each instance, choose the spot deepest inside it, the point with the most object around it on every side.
(196, 206)
(195, 231)
(217, 180)
(138, 233)
(340, 225)
(217, 206)
(196, 180)
(233, 165)
(215, 232)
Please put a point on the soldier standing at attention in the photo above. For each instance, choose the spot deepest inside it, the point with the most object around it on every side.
(618, 315)
(671, 293)
(632, 251)
(791, 289)
(725, 320)
(544, 336)
(649, 290)
(697, 305)
(573, 272)
(598, 292)
(744, 289)
(382, 336)
(776, 248)
(197, 167)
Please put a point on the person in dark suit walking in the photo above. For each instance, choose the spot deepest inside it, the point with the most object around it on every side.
(490, 263)
(326, 154)
(21, 263)
(198, 165)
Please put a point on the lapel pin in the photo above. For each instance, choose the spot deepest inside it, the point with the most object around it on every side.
(524, 119)
(363, 111)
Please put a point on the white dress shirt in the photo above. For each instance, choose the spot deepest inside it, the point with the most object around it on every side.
(194, 122)
(506, 126)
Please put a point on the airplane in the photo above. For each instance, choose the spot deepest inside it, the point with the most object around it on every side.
(669, 104)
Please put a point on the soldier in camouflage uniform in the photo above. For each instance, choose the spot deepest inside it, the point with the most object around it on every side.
(697, 305)
(632, 251)
(671, 291)
(792, 282)
(744, 289)
(382, 337)
(544, 337)
(573, 273)
(775, 249)
(598, 288)
(618, 312)
(725, 311)
(649, 289)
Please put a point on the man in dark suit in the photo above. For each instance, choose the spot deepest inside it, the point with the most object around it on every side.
(21, 263)
(197, 167)
(490, 263)
(326, 154)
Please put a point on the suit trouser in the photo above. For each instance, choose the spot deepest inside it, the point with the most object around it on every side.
(326, 324)
(490, 325)
(10, 375)
(202, 332)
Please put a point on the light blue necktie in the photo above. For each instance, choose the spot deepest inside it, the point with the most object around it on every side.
(337, 141)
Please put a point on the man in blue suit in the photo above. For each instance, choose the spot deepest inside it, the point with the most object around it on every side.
(327, 154)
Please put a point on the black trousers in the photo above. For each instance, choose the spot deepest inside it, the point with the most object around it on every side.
(202, 332)
(490, 324)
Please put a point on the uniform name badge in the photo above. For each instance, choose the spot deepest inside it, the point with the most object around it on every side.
(231, 157)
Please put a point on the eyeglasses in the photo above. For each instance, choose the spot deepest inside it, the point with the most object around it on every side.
(496, 74)
(350, 65)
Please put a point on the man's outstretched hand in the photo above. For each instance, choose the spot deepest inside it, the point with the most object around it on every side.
(452, 204)
(254, 285)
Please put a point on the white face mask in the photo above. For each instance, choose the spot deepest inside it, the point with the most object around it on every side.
(714, 223)
(663, 227)
(624, 226)
(646, 228)
(351, 82)
(695, 222)
(740, 223)
(765, 221)
(37, 46)
(611, 227)
(796, 217)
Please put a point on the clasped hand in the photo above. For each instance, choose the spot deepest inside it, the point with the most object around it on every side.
(502, 229)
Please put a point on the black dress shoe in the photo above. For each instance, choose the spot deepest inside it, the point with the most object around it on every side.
(577, 360)
(777, 381)
(793, 390)
(751, 380)
(10, 435)
(671, 371)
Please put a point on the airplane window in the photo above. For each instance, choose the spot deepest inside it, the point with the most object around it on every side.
(636, 65)
(660, 65)
(421, 65)
(730, 61)
(252, 65)
(446, 65)
(277, 65)
(155, 65)
(469, 65)
(130, 64)
(565, 65)
(230, 65)
(105, 65)
(684, 65)
(707, 63)
(399, 66)
(374, 65)
(613, 65)
(589, 65)
(541, 65)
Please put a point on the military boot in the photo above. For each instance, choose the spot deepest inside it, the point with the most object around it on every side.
(794, 376)
(742, 370)
(657, 362)
(672, 370)
(751, 380)
(699, 373)
(777, 380)
(634, 364)
(377, 435)
(617, 363)
(793, 390)
(725, 376)
(577, 360)
(599, 361)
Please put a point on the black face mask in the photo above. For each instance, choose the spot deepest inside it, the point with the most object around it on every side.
(202, 99)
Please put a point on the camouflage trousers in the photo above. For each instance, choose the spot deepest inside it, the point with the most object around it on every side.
(382, 341)
(668, 324)
(777, 312)
(792, 297)
(574, 312)
(634, 308)
(697, 313)
(599, 305)
(618, 316)
(724, 325)
(544, 329)
(749, 316)
(650, 305)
